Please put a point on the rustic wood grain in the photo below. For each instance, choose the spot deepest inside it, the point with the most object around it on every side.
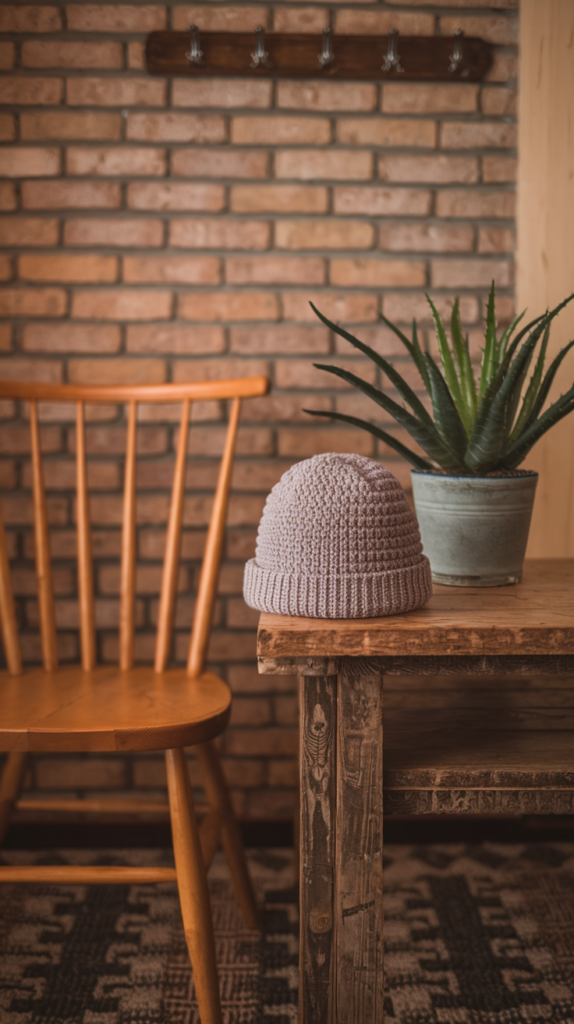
(358, 959)
(298, 666)
(295, 55)
(318, 716)
(534, 617)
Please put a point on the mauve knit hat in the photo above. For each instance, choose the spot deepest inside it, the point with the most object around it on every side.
(337, 540)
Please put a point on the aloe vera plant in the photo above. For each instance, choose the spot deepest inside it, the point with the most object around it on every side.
(478, 424)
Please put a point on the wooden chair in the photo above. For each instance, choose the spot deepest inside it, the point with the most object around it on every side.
(130, 708)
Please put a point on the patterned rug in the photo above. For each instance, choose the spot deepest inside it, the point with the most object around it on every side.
(474, 934)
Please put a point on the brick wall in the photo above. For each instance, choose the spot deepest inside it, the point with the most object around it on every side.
(175, 229)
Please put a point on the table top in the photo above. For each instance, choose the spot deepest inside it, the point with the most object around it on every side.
(533, 617)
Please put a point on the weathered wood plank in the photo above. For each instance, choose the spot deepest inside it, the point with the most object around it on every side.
(479, 801)
(358, 959)
(298, 666)
(535, 617)
(318, 707)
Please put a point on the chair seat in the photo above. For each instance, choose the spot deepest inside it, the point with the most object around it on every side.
(106, 709)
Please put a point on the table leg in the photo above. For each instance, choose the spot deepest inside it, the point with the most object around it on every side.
(341, 951)
(318, 730)
(358, 945)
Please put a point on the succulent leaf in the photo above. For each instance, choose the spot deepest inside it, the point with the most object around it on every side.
(446, 417)
(416, 460)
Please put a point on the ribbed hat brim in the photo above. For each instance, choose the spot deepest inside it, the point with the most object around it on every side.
(349, 596)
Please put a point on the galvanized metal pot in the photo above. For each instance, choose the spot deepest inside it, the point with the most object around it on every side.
(474, 529)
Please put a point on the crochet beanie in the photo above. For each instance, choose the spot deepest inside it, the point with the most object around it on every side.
(337, 540)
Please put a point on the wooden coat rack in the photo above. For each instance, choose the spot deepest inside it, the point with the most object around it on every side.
(295, 55)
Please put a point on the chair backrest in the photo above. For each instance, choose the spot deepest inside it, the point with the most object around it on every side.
(186, 394)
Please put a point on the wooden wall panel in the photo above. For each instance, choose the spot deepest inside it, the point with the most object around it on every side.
(545, 257)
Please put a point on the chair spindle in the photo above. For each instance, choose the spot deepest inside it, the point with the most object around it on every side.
(85, 564)
(128, 562)
(213, 548)
(7, 611)
(43, 564)
(172, 548)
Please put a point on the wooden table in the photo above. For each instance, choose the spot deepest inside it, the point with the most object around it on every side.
(460, 736)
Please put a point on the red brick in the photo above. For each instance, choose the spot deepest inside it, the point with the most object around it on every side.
(29, 18)
(70, 195)
(38, 53)
(299, 19)
(503, 67)
(302, 375)
(280, 130)
(278, 339)
(279, 199)
(471, 273)
(353, 22)
(472, 135)
(315, 440)
(116, 17)
(174, 195)
(171, 269)
(427, 98)
(176, 338)
(70, 124)
(218, 18)
(7, 56)
(378, 337)
(171, 127)
(498, 102)
(69, 337)
(402, 308)
(334, 164)
(499, 168)
(377, 273)
(241, 544)
(467, 203)
(413, 237)
(136, 56)
(353, 308)
(427, 169)
(283, 773)
(8, 197)
(7, 128)
(44, 370)
(96, 773)
(122, 304)
(116, 371)
(377, 200)
(276, 408)
(113, 231)
(32, 302)
(15, 438)
(217, 233)
(324, 234)
(458, 3)
(29, 231)
(59, 267)
(220, 163)
(5, 340)
(30, 161)
(268, 741)
(496, 240)
(36, 92)
(384, 131)
(492, 28)
(116, 92)
(326, 95)
(221, 92)
(102, 476)
(228, 305)
(6, 272)
(116, 160)
(274, 270)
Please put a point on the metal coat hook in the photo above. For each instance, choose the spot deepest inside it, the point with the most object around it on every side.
(195, 55)
(392, 60)
(456, 57)
(327, 56)
(261, 56)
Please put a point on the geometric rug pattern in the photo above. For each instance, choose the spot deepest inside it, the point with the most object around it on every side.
(474, 934)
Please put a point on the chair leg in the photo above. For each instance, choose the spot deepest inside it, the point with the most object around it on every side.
(218, 796)
(10, 786)
(192, 885)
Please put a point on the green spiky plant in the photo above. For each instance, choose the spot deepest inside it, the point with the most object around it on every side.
(478, 426)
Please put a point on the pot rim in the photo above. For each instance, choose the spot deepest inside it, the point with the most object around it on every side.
(476, 476)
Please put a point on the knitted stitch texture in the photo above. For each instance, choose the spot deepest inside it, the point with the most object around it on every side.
(337, 540)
